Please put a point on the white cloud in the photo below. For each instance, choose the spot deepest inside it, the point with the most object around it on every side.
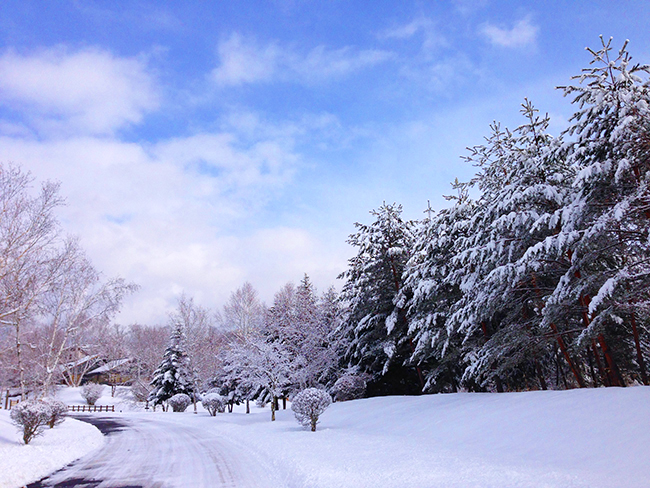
(523, 33)
(409, 30)
(244, 61)
(468, 7)
(167, 215)
(226, 167)
(406, 31)
(172, 215)
(89, 91)
(432, 38)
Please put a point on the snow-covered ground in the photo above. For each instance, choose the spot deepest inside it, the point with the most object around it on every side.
(578, 438)
(21, 464)
(123, 400)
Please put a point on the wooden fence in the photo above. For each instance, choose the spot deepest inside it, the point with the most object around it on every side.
(10, 403)
(91, 408)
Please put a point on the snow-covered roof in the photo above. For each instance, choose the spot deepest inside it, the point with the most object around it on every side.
(109, 366)
(81, 361)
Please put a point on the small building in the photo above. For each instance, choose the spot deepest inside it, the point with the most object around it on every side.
(116, 372)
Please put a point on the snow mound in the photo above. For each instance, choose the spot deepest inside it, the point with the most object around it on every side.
(21, 464)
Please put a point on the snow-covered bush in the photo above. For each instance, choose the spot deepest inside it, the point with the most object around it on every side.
(348, 387)
(309, 404)
(179, 402)
(91, 392)
(31, 417)
(58, 413)
(213, 403)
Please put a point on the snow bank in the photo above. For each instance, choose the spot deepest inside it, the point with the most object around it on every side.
(578, 438)
(21, 464)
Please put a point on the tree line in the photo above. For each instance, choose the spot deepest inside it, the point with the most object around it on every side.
(534, 277)
(537, 274)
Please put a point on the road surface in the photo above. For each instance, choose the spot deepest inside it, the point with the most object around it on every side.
(158, 453)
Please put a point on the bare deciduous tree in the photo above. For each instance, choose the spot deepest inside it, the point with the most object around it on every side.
(48, 288)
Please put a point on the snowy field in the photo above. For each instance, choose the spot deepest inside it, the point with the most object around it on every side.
(578, 438)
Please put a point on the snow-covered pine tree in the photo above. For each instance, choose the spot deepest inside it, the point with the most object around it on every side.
(173, 375)
(524, 182)
(200, 339)
(376, 329)
(429, 293)
(605, 230)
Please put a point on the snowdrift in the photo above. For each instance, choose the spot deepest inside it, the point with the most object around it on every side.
(577, 438)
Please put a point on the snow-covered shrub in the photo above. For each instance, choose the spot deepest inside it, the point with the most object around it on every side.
(213, 403)
(59, 411)
(179, 402)
(91, 392)
(349, 387)
(31, 417)
(309, 404)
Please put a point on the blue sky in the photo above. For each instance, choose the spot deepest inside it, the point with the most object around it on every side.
(204, 144)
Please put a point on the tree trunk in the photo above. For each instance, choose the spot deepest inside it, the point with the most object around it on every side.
(19, 358)
(568, 359)
(590, 361)
(497, 380)
(454, 385)
(559, 371)
(284, 403)
(273, 410)
(599, 364)
(637, 345)
(248, 408)
(612, 368)
(540, 375)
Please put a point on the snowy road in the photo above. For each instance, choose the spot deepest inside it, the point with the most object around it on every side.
(158, 453)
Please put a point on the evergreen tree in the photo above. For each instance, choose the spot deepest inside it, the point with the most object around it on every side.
(524, 181)
(548, 269)
(605, 230)
(375, 327)
(430, 293)
(173, 375)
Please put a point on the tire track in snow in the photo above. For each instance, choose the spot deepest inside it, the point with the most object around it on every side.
(154, 453)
